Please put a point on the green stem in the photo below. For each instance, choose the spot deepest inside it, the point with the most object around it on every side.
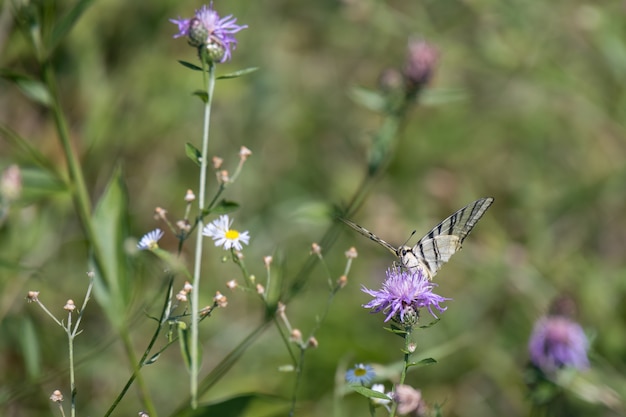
(70, 343)
(198, 257)
(82, 201)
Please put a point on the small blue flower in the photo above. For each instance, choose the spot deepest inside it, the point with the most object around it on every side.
(150, 239)
(404, 292)
(360, 374)
(557, 342)
(207, 29)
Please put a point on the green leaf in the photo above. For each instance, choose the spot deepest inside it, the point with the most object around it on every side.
(152, 359)
(38, 184)
(423, 362)
(190, 65)
(237, 74)
(439, 96)
(431, 324)
(67, 22)
(183, 341)
(34, 154)
(30, 347)
(369, 99)
(33, 89)
(202, 95)
(112, 286)
(224, 207)
(369, 393)
(396, 330)
(193, 153)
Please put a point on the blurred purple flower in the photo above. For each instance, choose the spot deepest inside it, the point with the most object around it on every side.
(556, 342)
(404, 293)
(420, 64)
(207, 29)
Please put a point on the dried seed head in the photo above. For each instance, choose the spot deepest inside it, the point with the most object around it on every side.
(32, 296)
(351, 253)
(69, 305)
(244, 153)
(220, 300)
(56, 396)
(190, 196)
(217, 162)
(316, 249)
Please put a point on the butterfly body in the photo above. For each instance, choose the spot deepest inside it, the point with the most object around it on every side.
(437, 247)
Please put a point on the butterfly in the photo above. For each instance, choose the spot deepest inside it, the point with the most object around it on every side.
(444, 240)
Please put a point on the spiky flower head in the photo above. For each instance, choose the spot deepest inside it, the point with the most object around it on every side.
(212, 35)
(420, 65)
(556, 342)
(403, 293)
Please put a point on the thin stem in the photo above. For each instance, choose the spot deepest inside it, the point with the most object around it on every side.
(162, 320)
(70, 343)
(198, 257)
(405, 365)
(294, 395)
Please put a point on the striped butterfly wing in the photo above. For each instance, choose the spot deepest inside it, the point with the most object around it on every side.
(445, 239)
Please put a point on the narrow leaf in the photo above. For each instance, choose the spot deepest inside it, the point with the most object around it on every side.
(193, 153)
(369, 393)
(183, 341)
(431, 324)
(237, 74)
(109, 224)
(202, 95)
(190, 65)
(32, 88)
(369, 99)
(67, 22)
(423, 362)
(223, 207)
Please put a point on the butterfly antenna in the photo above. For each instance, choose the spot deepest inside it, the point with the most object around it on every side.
(410, 237)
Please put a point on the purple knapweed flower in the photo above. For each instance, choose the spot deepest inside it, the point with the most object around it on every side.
(207, 30)
(558, 342)
(403, 293)
(420, 64)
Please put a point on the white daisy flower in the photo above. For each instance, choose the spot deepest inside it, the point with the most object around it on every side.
(219, 230)
(150, 239)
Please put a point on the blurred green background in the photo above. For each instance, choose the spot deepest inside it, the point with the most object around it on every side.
(528, 105)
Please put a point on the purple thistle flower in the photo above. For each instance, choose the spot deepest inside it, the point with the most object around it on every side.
(404, 293)
(420, 64)
(207, 29)
(556, 342)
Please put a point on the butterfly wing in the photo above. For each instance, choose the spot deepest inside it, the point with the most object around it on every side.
(369, 235)
(445, 239)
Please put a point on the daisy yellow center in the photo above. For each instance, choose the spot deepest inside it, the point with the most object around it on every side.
(232, 234)
(360, 372)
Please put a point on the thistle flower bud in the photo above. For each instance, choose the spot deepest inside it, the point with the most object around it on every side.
(56, 396)
(189, 196)
(244, 153)
(217, 162)
(351, 253)
(69, 305)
